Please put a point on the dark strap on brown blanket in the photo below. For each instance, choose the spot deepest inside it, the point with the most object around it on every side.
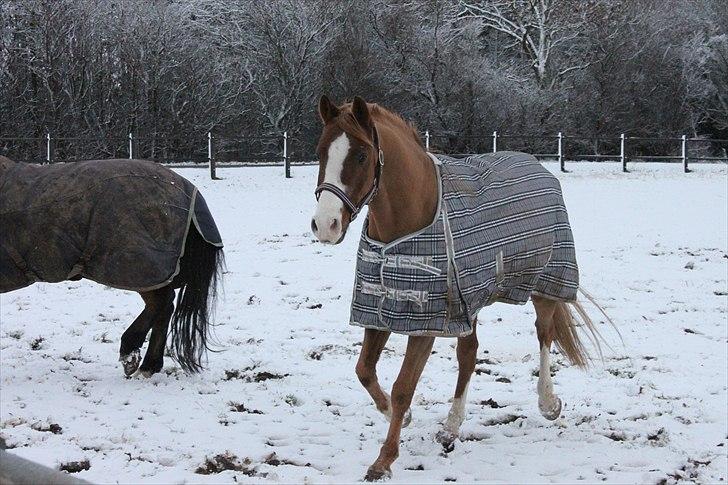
(21, 264)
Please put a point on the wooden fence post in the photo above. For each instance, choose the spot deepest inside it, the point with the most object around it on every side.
(49, 158)
(286, 161)
(622, 156)
(210, 158)
(685, 154)
(561, 153)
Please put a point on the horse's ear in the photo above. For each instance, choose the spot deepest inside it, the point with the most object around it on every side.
(361, 112)
(327, 110)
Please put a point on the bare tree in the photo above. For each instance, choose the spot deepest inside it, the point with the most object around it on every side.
(542, 29)
(282, 43)
(171, 70)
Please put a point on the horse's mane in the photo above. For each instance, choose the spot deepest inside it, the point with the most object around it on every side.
(348, 123)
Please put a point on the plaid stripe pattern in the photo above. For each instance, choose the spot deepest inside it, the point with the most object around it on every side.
(501, 233)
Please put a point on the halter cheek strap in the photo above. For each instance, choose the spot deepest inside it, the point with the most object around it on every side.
(353, 208)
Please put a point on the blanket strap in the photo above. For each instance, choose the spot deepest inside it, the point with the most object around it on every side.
(422, 263)
(418, 297)
(21, 264)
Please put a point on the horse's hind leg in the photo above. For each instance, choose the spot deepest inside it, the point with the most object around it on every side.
(366, 370)
(162, 303)
(548, 402)
(133, 338)
(467, 351)
(415, 358)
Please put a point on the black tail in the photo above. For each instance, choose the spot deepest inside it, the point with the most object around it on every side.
(200, 268)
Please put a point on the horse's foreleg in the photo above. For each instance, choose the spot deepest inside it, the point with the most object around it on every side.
(133, 338)
(549, 403)
(366, 369)
(418, 351)
(162, 303)
(467, 351)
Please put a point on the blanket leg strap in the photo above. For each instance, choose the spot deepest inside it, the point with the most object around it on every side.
(21, 264)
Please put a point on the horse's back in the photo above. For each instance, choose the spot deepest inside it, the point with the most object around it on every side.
(121, 223)
(510, 227)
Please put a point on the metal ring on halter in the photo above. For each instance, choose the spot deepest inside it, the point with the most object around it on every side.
(354, 209)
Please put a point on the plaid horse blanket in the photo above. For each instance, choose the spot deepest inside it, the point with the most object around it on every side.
(500, 234)
(121, 223)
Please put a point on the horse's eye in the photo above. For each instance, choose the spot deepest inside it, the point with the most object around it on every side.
(362, 156)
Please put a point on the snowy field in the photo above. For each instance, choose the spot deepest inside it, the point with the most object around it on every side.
(281, 403)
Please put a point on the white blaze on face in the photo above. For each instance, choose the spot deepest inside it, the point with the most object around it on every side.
(327, 218)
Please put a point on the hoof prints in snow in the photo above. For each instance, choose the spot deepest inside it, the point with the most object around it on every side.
(241, 408)
(256, 377)
(229, 461)
(507, 419)
(75, 466)
(48, 427)
(491, 404)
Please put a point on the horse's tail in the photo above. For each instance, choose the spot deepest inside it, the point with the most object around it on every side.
(566, 334)
(201, 267)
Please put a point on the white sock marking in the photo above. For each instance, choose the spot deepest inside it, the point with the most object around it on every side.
(456, 416)
(547, 400)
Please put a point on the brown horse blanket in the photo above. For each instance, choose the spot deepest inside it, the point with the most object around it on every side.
(121, 223)
(500, 233)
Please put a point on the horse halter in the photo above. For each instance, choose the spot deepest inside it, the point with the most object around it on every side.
(353, 208)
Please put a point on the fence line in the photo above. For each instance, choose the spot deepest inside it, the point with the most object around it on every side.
(276, 149)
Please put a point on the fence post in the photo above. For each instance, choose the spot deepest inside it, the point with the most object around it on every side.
(286, 161)
(495, 141)
(685, 154)
(561, 153)
(427, 140)
(210, 159)
(131, 146)
(622, 156)
(48, 148)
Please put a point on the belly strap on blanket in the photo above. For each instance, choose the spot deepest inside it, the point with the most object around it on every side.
(21, 264)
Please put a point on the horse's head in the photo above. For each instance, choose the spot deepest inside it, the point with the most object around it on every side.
(349, 167)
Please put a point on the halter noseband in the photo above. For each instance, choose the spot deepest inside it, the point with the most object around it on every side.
(353, 208)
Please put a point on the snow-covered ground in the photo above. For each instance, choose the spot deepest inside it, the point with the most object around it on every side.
(282, 403)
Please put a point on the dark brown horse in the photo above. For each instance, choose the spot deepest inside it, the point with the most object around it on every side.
(127, 224)
(369, 155)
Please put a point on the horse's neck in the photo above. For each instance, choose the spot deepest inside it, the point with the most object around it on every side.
(408, 191)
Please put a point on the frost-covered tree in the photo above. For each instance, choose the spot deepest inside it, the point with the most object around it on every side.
(548, 32)
(171, 70)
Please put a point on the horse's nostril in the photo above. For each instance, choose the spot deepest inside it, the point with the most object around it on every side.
(314, 227)
(334, 224)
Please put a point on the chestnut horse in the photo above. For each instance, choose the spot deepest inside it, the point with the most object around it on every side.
(369, 155)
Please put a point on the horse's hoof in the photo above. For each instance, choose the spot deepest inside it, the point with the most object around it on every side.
(446, 439)
(144, 373)
(377, 474)
(407, 418)
(130, 362)
(551, 412)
